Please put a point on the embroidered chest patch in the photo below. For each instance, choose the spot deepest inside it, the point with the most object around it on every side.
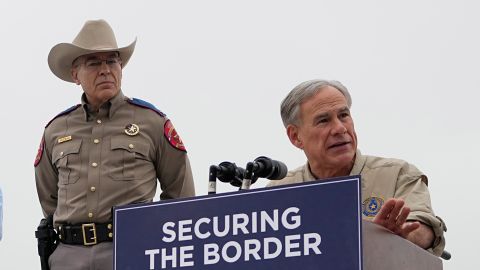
(371, 206)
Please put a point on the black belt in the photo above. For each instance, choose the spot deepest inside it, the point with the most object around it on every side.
(85, 234)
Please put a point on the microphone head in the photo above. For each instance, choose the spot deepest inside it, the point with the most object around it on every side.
(270, 169)
(236, 182)
(280, 171)
(239, 173)
(229, 172)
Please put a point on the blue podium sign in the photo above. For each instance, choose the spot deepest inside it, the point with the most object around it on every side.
(314, 225)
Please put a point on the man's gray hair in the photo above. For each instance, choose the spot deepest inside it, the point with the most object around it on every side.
(290, 107)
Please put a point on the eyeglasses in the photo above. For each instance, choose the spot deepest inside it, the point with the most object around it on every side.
(94, 64)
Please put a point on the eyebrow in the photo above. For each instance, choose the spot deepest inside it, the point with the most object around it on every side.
(321, 115)
(344, 109)
(327, 114)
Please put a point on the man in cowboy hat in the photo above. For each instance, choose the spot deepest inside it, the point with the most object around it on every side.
(316, 115)
(107, 151)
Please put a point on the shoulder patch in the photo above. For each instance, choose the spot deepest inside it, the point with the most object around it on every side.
(146, 105)
(172, 136)
(67, 111)
(39, 152)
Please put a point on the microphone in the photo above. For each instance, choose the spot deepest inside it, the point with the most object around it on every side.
(228, 172)
(263, 167)
(268, 168)
(225, 172)
(238, 182)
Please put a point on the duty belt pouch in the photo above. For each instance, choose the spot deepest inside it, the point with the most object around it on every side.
(47, 240)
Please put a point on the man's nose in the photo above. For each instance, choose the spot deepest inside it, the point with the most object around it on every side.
(104, 68)
(338, 127)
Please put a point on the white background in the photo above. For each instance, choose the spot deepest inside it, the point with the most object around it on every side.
(219, 70)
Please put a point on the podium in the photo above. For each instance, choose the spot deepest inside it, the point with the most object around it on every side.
(384, 250)
(308, 226)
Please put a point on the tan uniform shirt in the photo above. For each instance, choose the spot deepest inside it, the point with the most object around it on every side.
(382, 179)
(90, 164)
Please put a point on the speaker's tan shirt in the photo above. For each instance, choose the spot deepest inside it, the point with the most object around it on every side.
(382, 179)
(87, 163)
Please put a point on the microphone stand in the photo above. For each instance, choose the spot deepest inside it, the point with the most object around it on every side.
(249, 176)
(212, 180)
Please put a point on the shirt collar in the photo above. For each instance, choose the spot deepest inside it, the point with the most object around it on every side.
(357, 168)
(307, 173)
(359, 163)
(115, 103)
(110, 106)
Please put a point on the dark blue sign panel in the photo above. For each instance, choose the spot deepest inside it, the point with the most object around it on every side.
(314, 225)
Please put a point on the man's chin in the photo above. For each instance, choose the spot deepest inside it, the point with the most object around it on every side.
(345, 158)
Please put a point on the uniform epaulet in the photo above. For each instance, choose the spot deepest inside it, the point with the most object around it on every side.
(67, 111)
(146, 105)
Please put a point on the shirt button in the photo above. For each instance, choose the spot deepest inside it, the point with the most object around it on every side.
(61, 153)
(96, 141)
(92, 189)
(99, 121)
(110, 235)
(90, 215)
(94, 164)
(130, 146)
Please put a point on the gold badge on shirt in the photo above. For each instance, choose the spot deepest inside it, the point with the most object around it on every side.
(132, 129)
(65, 139)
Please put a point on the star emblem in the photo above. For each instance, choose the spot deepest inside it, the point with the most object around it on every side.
(132, 129)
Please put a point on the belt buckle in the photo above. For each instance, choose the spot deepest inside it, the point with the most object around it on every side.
(89, 227)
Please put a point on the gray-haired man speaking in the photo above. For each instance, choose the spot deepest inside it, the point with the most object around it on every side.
(317, 118)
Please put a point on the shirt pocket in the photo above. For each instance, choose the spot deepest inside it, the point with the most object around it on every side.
(66, 158)
(127, 156)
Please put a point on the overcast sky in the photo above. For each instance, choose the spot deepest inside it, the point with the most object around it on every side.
(219, 70)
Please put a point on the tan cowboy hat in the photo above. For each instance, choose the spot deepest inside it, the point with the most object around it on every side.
(95, 36)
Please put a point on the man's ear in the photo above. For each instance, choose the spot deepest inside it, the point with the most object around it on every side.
(292, 132)
(74, 73)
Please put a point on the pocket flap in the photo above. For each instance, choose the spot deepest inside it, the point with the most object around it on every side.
(66, 148)
(129, 145)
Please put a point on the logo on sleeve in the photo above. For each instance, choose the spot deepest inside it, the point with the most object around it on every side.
(39, 153)
(172, 136)
(371, 206)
